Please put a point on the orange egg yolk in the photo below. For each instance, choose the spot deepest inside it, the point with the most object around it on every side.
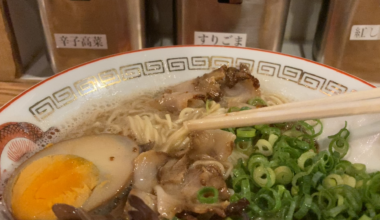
(53, 179)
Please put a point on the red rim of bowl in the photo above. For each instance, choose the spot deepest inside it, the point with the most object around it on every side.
(176, 46)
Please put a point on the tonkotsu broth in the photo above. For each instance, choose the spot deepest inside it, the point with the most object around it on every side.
(136, 114)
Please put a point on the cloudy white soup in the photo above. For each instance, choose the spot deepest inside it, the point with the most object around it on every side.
(139, 161)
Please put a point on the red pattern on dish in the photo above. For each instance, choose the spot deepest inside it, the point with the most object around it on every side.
(19, 147)
(15, 131)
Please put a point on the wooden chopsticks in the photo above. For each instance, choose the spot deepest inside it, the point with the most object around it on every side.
(363, 102)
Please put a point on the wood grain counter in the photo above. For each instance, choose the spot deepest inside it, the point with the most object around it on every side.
(9, 90)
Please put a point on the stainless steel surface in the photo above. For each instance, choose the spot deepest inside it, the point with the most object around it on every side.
(122, 21)
(262, 20)
(332, 45)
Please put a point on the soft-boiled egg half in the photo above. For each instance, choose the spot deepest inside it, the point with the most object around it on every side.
(84, 172)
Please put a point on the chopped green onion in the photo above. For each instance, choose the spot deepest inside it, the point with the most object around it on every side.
(280, 190)
(293, 133)
(208, 195)
(316, 178)
(283, 175)
(327, 162)
(246, 132)
(273, 163)
(256, 160)
(244, 145)
(349, 180)
(245, 108)
(245, 188)
(292, 164)
(335, 211)
(343, 131)
(257, 102)
(289, 215)
(264, 176)
(332, 180)
(272, 139)
(306, 184)
(339, 145)
(351, 195)
(304, 157)
(208, 104)
(340, 200)
(306, 128)
(264, 147)
(282, 147)
(301, 174)
(339, 142)
(370, 209)
(365, 217)
(304, 208)
(316, 210)
(270, 197)
(237, 181)
(285, 178)
(229, 130)
(371, 190)
(233, 109)
(270, 130)
(343, 166)
(295, 190)
(260, 127)
(359, 167)
(359, 184)
(321, 128)
(326, 200)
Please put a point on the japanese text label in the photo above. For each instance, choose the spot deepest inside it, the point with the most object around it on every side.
(224, 39)
(365, 32)
(81, 41)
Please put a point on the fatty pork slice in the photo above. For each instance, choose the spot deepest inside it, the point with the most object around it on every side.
(239, 94)
(174, 171)
(240, 86)
(175, 198)
(148, 198)
(234, 85)
(174, 102)
(146, 167)
(217, 144)
(192, 93)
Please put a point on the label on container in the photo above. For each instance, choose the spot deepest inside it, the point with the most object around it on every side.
(81, 41)
(217, 38)
(365, 32)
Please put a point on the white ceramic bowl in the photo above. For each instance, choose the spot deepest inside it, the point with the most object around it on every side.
(34, 116)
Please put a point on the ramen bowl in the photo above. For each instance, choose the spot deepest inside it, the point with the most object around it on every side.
(42, 114)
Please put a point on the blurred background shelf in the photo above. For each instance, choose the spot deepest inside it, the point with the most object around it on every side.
(21, 27)
(26, 22)
(9, 90)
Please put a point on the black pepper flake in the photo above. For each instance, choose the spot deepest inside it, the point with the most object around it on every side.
(112, 158)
